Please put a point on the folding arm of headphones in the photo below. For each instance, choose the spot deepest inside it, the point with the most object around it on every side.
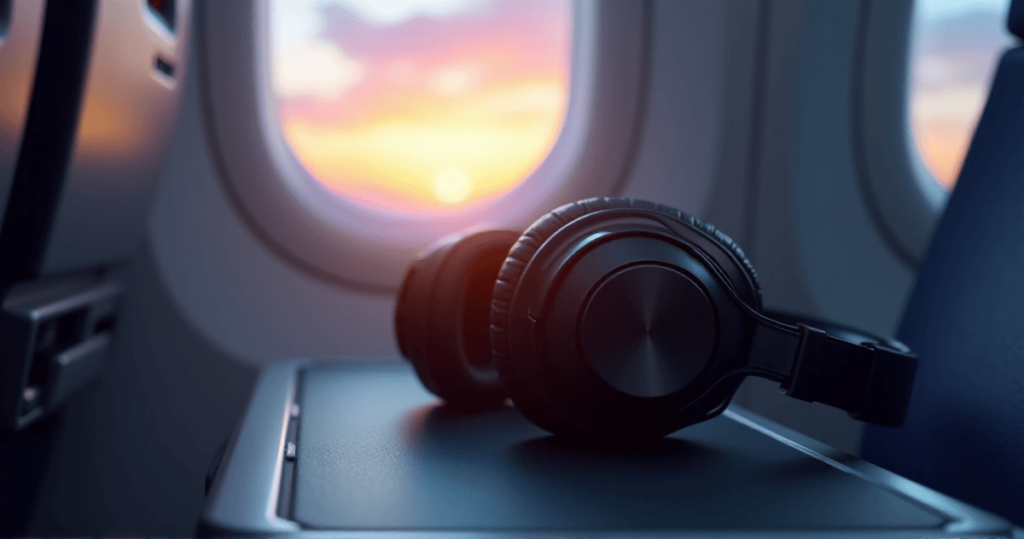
(870, 380)
(867, 376)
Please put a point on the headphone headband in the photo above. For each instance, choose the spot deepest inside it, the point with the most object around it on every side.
(623, 319)
(871, 378)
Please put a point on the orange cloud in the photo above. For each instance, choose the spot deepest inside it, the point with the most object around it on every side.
(448, 111)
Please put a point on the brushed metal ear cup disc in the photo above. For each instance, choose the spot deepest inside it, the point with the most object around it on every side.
(648, 331)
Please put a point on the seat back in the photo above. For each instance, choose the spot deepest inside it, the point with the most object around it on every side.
(21, 30)
(964, 432)
(89, 95)
(102, 108)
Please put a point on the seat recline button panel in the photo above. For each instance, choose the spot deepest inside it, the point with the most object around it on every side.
(57, 336)
(74, 367)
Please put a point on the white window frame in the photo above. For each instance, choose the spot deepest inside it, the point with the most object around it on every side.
(302, 221)
(904, 199)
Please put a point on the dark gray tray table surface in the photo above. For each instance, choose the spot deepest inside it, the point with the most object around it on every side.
(376, 455)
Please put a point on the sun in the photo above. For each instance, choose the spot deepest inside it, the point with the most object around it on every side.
(452, 185)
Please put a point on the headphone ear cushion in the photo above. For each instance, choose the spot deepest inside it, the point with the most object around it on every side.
(441, 319)
(520, 255)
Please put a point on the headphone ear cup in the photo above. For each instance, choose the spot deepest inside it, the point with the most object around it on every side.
(521, 391)
(442, 319)
(522, 383)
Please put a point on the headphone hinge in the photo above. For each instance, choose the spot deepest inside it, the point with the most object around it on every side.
(803, 376)
(889, 386)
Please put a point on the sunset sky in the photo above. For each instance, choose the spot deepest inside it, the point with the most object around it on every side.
(956, 45)
(421, 105)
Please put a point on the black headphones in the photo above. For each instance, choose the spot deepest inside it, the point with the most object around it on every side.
(623, 319)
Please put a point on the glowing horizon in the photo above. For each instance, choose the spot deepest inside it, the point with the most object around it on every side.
(421, 106)
(424, 106)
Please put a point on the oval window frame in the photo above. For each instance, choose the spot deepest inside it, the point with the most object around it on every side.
(905, 211)
(300, 220)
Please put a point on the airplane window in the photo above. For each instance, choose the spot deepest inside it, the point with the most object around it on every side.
(955, 48)
(420, 107)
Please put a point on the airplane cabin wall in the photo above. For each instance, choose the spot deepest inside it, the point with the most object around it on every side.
(815, 245)
(257, 307)
(749, 130)
(748, 124)
(695, 154)
(751, 127)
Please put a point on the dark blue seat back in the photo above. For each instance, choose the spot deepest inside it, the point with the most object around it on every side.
(964, 433)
